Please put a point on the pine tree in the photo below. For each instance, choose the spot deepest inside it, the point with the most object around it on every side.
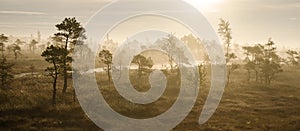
(106, 58)
(271, 62)
(5, 67)
(143, 63)
(293, 57)
(71, 33)
(5, 72)
(55, 55)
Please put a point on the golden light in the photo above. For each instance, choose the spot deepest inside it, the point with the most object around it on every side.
(203, 5)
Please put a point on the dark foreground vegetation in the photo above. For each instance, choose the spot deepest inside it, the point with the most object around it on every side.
(27, 104)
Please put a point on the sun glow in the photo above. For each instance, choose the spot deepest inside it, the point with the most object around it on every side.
(204, 5)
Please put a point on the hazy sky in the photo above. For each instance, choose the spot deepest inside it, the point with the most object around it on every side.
(252, 21)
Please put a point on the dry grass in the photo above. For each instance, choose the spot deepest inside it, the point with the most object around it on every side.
(244, 106)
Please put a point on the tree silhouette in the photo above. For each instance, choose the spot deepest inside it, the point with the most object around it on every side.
(5, 67)
(70, 32)
(5, 72)
(271, 62)
(143, 63)
(19, 42)
(170, 42)
(293, 57)
(202, 74)
(106, 58)
(15, 48)
(32, 45)
(225, 33)
(54, 55)
(264, 61)
(3, 40)
(253, 60)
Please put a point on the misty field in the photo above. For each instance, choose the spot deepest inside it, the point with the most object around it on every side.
(143, 65)
(26, 105)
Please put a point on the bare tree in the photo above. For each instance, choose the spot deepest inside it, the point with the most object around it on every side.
(170, 44)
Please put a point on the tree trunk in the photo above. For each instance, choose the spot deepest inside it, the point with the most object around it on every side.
(65, 68)
(65, 79)
(54, 91)
(74, 96)
(249, 75)
(108, 72)
(228, 77)
(266, 79)
(16, 55)
(271, 78)
(108, 75)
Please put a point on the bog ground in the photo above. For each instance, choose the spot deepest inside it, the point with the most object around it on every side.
(244, 106)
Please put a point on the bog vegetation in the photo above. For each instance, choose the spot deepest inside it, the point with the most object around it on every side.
(36, 93)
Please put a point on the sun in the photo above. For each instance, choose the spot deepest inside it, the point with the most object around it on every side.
(203, 4)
